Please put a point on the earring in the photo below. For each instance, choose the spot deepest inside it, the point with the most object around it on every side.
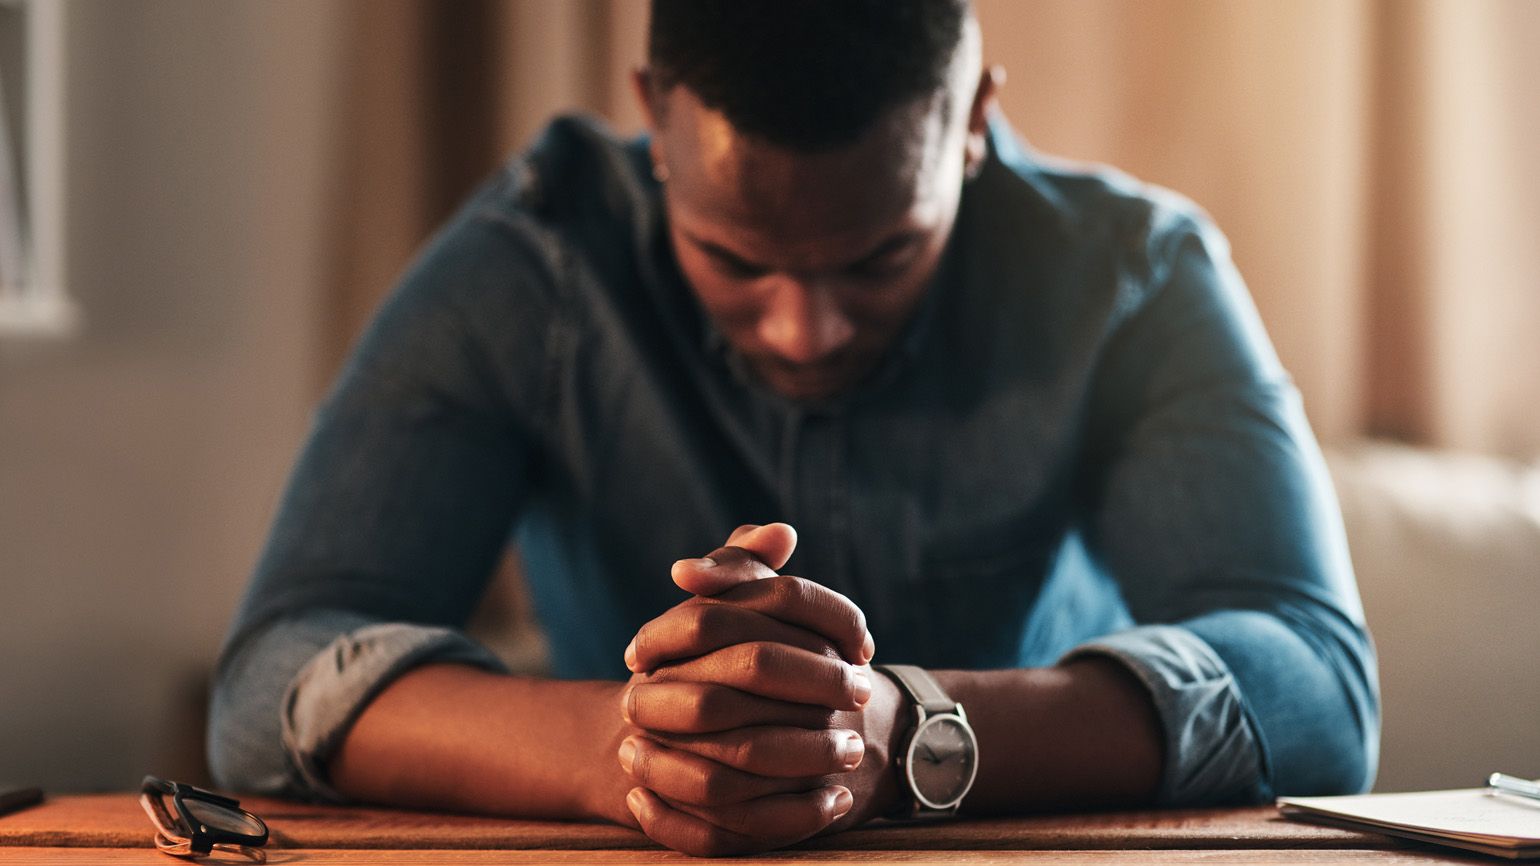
(975, 153)
(660, 172)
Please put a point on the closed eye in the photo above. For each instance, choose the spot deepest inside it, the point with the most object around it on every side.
(730, 263)
(888, 258)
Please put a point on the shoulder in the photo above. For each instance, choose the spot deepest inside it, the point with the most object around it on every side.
(1095, 210)
(1153, 278)
(578, 191)
(578, 168)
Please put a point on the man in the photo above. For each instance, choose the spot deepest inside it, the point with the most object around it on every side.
(1023, 416)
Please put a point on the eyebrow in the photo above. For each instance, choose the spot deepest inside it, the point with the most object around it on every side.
(888, 245)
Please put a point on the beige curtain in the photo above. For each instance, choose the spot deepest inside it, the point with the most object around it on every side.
(1368, 159)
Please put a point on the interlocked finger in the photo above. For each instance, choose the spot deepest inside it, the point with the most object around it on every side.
(687, 778)
(805, 604)
(694, 629)
(703, 708)
(776, 751)
(775, 670)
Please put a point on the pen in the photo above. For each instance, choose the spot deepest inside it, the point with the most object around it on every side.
(16, 799)
(1506, 784)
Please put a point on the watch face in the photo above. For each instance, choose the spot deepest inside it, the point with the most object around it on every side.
(943, 757)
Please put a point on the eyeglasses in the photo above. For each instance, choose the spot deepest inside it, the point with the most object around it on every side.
(202, 821)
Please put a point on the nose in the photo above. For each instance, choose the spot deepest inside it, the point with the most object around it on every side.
(804, 323)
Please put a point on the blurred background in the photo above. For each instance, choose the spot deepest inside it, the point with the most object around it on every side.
(218, 195)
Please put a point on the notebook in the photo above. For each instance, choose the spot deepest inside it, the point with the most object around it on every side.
(1472, 818)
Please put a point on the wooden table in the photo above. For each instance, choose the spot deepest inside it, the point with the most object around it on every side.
(110, 828)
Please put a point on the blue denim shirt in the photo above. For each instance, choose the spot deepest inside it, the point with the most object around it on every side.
(1082, 444)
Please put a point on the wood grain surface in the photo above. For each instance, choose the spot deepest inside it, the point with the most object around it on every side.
(150, 857)
(116, 821)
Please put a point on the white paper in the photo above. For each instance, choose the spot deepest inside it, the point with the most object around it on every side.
(1469, 813)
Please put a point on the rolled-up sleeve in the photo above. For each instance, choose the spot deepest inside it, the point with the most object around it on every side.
(327, 665)
(329, 692)
(398, 510)
(1216, 753)
(1214, 514)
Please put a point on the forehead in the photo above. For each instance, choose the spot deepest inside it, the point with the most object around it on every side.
(746, 191)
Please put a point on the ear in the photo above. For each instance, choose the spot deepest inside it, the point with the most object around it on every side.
(650, 102)
(976, 145)
(645, 95)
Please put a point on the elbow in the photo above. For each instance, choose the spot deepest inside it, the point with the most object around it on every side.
(242, 764)
(1340, 753)
(244, 738)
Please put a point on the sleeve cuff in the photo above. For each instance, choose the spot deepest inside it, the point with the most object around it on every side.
(1213, 755)
(333, 688)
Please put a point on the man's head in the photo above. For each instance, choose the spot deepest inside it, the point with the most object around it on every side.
(814, 152)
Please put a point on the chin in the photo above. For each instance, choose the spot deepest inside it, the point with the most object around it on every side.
(812, 383)
(809, 388)
(808, 394)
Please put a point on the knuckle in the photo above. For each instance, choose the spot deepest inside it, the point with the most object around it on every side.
(788, 592)
(714, 787)
(704, 707)
(850, 614)
(857, 617)
(838, 677)
(709, 621)
(745, 753)
(696, 625)
(759, 659)
(821, 719)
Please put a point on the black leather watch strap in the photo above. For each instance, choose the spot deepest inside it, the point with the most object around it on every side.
(921, 686)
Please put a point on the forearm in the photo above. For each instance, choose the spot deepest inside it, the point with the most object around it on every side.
(458, 738)
(1081, 734)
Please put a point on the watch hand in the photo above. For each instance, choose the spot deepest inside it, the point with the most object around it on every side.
(933, 757)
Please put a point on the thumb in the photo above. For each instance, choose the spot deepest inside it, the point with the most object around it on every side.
(752, 553)
(771, 544)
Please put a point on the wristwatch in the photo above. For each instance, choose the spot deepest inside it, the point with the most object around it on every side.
(940, 756)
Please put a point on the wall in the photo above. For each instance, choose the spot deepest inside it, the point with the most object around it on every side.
(140, 460)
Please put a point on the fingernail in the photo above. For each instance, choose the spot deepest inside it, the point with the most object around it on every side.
(627, 753)
(631, 655)
(851, 752)
(634, 802)
(862, 685)
(869, 648)
(842, 802)
(703, 562)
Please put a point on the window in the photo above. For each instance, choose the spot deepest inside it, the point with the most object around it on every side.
(32, 285)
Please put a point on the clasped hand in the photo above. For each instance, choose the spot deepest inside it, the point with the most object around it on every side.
(753, 717)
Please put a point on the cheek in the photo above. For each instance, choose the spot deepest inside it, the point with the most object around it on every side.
(732, 304)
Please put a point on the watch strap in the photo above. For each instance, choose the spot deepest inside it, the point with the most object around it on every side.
(922, 688)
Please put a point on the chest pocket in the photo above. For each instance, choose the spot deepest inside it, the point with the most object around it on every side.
(974, 595)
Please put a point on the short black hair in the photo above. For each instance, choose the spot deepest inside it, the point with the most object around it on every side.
(805, 74)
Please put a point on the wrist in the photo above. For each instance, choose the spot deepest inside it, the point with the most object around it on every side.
(891, 791)
(936, 747)
(876, 783)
